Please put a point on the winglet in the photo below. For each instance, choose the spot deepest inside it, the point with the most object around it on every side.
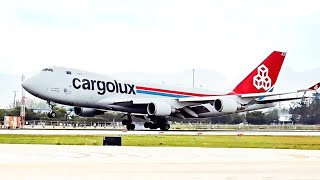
(263, 77)
(315, 87)
(312, 88)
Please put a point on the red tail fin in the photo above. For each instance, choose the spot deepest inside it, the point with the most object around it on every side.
(263, 77)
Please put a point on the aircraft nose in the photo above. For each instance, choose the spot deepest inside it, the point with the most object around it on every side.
(28, 85)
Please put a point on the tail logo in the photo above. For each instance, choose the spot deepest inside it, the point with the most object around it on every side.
(262, 79)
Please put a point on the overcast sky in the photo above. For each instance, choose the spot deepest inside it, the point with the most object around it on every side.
(230, 37)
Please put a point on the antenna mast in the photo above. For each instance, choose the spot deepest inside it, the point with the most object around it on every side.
(23, 106)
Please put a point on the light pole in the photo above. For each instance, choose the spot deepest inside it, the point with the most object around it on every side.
(14, 99)
(192, 77)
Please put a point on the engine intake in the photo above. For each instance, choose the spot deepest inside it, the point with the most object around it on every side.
(87, 112)
(159, 109)
(227, 105)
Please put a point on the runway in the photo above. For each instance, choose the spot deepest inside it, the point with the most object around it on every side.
(121, 132)
(102, 162)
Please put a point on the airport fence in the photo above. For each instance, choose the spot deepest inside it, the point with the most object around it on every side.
(40, 124)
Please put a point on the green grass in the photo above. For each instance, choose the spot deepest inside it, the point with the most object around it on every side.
(279, 142)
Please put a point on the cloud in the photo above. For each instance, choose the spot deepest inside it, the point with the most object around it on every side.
(230, 37)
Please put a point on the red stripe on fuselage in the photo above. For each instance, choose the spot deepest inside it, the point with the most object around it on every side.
(173, 92)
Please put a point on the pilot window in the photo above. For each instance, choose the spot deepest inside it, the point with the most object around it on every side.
(47, 69)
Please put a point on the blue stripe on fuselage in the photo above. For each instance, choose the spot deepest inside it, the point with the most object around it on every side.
(160, 94)
(270, 90)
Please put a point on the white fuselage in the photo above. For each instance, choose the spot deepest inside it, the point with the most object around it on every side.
(84, 89)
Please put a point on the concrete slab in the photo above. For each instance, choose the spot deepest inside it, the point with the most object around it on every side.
(106, 162)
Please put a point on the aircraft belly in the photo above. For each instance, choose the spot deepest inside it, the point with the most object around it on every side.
(211, 111)
(253, 107)
(127, 109)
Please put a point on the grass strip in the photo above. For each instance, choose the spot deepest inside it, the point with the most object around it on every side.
(277, 142)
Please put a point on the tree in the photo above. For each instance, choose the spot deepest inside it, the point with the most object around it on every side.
(256, 117)
(272, 116)
(237, 119)
(14, 112)
(306, 111)
(61, 112)
(221, 120)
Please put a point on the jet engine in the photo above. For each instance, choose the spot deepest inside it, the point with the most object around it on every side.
(227, 105)
(87, 112)
(159, 109)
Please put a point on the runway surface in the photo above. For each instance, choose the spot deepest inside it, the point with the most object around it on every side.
(119, 132)
(102, 162)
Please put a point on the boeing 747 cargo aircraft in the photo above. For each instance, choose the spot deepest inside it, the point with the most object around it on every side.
(92, 94)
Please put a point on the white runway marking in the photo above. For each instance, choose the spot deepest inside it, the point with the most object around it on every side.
(102, 162)
(119, 132)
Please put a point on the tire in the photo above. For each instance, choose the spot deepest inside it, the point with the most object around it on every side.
(53, 114)
(131, 127)
(125, 122)
(165, 127)
(146, 125)
(153, 126)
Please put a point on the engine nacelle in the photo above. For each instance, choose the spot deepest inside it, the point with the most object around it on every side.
(159, 109)
(226, 105)
(87, 112)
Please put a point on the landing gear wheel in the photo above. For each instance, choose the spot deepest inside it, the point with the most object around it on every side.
(165, 127)
(147, 124)
(52, 114)
(131, 127)
(153, 126)
(125, 122)
(128, 122)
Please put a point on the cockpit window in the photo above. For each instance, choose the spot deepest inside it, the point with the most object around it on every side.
(47, 69)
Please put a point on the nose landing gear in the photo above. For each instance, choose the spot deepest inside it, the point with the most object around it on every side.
(51, 113)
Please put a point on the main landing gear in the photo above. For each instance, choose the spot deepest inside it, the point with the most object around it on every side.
(157, 122)
(128, 123)
(51, 113)
(154, 123)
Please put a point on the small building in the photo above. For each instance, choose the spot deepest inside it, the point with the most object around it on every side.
(12, 122)
(285, 117)
(42, 111)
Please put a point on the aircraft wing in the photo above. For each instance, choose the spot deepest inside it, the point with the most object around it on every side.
(277, 99)
(261, 96)
(272, 99)
(189, 106)
(212, 98)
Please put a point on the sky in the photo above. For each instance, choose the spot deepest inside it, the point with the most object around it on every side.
(166, 36)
